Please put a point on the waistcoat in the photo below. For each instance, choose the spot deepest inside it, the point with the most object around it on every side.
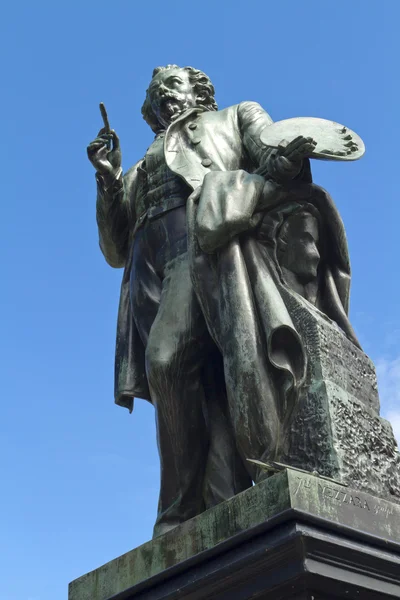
(161, 190)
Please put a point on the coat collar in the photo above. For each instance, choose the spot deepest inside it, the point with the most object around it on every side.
(175, 152)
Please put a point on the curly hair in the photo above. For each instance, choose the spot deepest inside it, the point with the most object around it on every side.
(202, 86)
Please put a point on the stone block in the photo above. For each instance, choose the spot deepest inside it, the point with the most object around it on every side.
(337, 430)
(291, 536)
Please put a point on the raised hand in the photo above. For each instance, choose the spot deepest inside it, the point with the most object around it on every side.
(104, 153)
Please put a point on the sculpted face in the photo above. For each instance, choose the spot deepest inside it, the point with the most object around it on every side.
(171, 93)
(301, 256)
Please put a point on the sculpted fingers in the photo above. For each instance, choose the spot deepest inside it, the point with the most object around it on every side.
(308, 147)
(115, 155)
(115, 139)
(109, 136)
(97, 142)
(101, 140)
(287, 148)
(106, 160)
(290, 146)
(299, 148)
(98, 146)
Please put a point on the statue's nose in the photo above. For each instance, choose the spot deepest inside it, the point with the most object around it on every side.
(162, 90)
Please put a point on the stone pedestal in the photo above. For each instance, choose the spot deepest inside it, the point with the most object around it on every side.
(337, 430)
(292, 536)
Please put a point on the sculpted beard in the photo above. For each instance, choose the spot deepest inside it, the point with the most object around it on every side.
(172, 105)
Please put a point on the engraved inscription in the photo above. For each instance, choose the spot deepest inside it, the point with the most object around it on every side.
(339, 496)
(385, 511)
(343, 497)
(302, 483)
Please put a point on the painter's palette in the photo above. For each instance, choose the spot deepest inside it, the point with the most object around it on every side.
(334, 141)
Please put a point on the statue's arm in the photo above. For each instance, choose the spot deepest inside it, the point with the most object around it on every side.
(267, 161)
(114, 216)
(115, 202)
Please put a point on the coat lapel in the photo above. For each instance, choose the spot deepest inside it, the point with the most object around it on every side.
(177, 156)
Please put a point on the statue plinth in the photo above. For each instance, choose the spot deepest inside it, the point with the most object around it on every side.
(293, 535)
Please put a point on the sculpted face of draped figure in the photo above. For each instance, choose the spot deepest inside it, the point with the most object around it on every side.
(301, 255)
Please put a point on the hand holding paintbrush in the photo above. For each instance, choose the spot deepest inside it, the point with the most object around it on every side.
(104, 152)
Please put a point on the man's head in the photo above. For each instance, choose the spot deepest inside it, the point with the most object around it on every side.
(173, 90)
(298, 244)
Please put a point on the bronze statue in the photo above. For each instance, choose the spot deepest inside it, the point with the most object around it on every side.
(223, 237)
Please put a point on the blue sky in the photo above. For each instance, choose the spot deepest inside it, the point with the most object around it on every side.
(79, 475)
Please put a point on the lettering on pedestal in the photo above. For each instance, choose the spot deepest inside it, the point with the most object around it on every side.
(343, 496)
(385, 511)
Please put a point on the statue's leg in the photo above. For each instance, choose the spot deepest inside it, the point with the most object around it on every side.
(175, 355)
(226, 474)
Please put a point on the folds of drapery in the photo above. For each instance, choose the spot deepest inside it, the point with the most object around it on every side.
(225, 217)
(238, 284)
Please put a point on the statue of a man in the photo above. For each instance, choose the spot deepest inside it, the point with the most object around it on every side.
(165, 343)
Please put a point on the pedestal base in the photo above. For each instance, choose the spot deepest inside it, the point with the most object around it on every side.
(292, 536)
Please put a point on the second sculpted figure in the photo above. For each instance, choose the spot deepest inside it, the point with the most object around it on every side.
(220, 232)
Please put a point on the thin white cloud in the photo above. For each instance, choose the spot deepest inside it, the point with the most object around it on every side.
(388, 372)
(394, 418)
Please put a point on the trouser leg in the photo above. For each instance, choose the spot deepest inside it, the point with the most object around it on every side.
(176, 352)
(175, 356)
(225, 475)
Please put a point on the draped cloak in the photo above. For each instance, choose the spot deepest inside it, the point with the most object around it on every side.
(233, 223)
